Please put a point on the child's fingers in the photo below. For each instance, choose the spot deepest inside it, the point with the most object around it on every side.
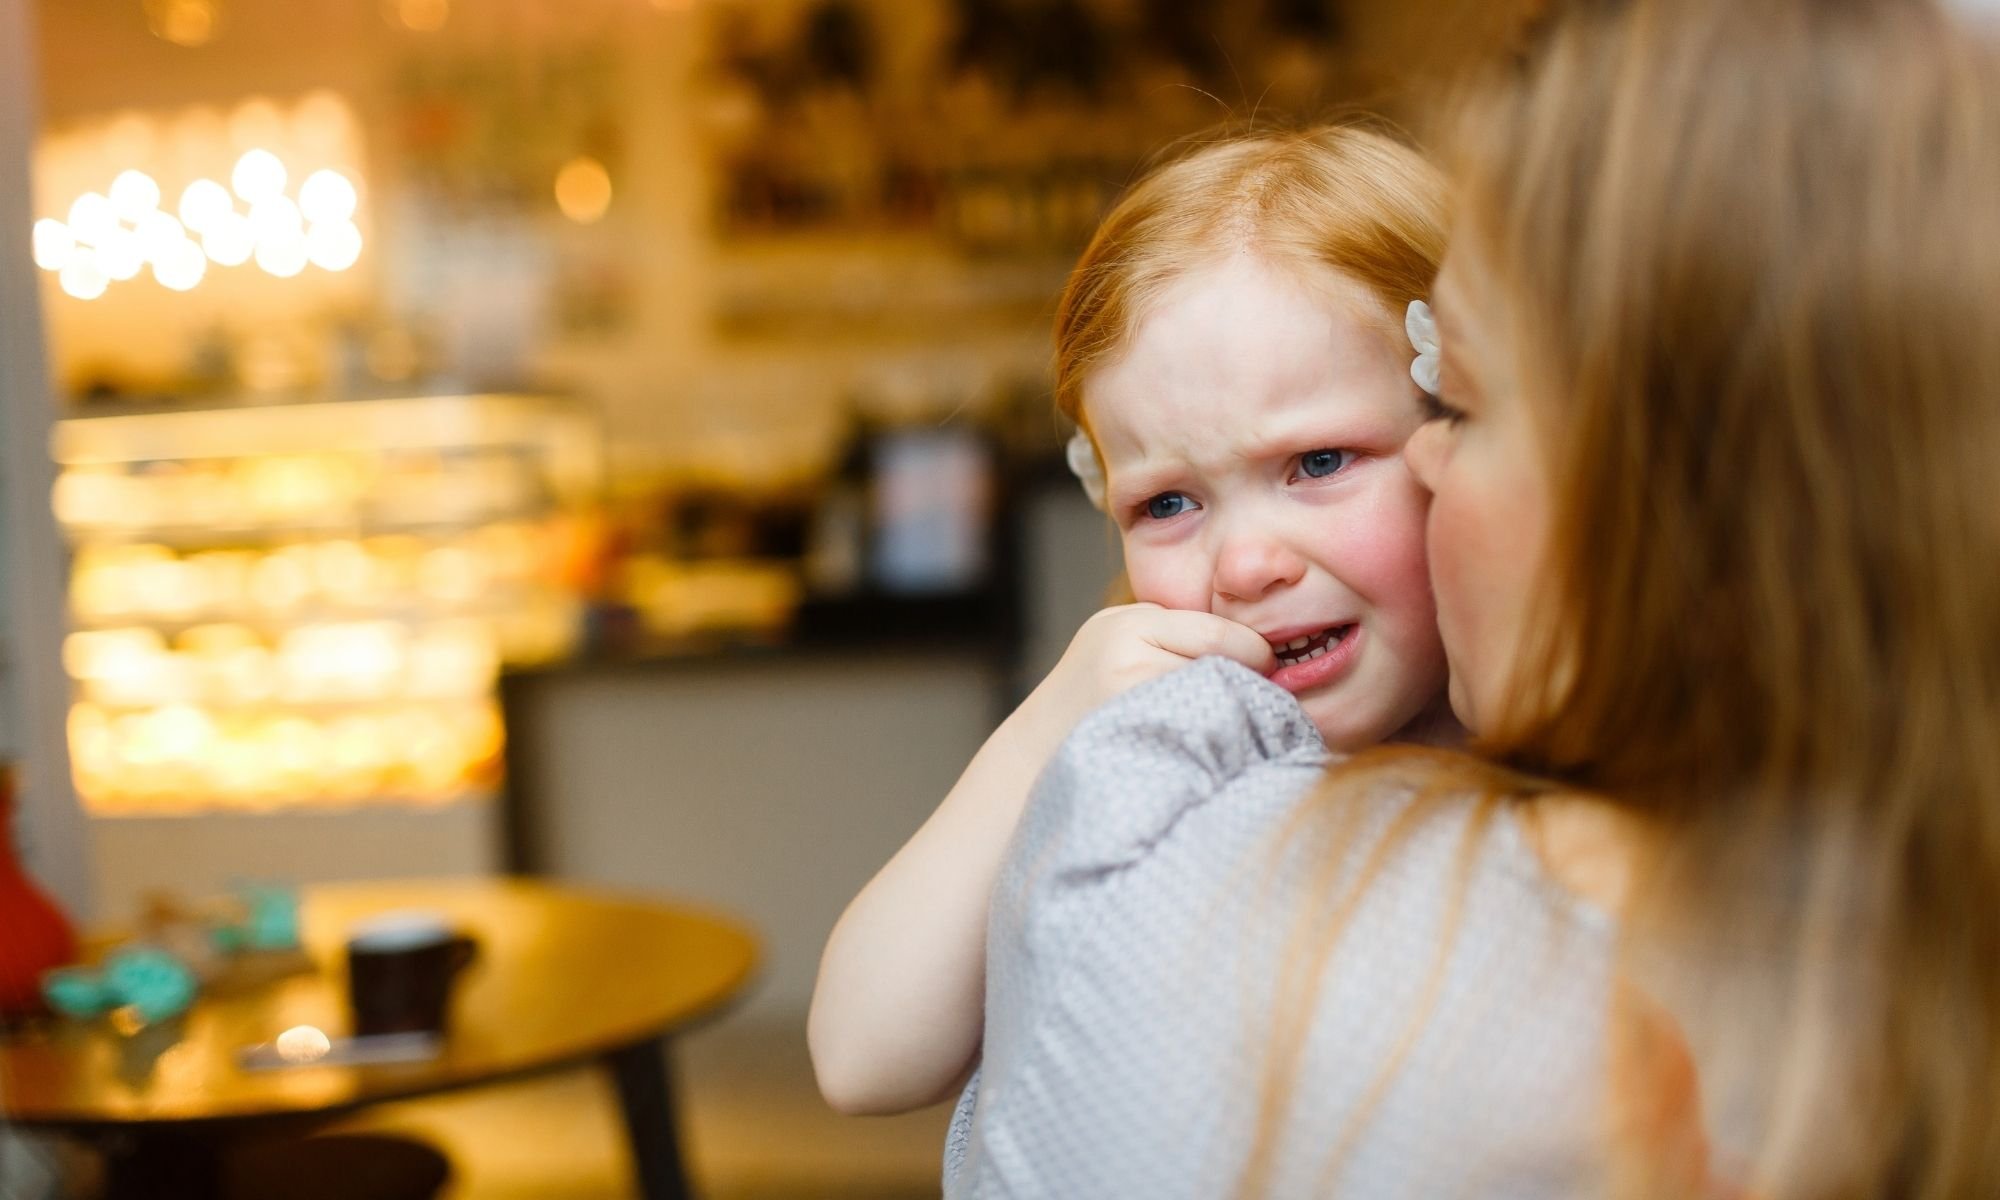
(1198, 634)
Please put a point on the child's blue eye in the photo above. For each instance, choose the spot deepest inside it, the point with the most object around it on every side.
(1321, 463)
(1165, 505)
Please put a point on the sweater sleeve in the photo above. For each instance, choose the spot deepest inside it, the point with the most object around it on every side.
(1147, 812)
(1134, 768)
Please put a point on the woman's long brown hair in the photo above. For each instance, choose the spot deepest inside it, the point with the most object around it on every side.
(1748, 254)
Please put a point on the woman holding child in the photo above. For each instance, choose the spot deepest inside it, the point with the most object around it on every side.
(1713, 906)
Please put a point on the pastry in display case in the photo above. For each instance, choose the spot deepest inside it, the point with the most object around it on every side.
(308, 605)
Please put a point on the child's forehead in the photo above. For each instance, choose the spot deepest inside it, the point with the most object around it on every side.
(1243, 330)
(1276, 277)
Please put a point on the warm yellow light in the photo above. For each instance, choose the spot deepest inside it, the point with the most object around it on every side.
(282, 256)
(54, 244)
(583, 189)
(204, 203)
(333, 246)
(182, 22)
(257, 122)
(230, 240)
(323, 125)
(134, 194)
(278, 583)
(276, 219)
(92, 219)
(422, 16)
(180, 266)
(120, 256)
(157, 234)
(182, 732)
(327, 196)
(257, 176)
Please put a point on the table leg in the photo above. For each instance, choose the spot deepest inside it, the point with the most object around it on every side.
(186, 1166)
(646, 1094)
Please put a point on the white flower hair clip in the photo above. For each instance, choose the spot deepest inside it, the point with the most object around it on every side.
(1083, 464)
(1422, 329)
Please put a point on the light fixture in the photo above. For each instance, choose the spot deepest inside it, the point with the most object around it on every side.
(326, 195)
(420, 16)
(82, 279)
(54, 244)
(92, 219)
(282, 256)
(179, 266)
(229, 241)
(203, 203)
(134, 194)
(583, 189)
(112, 235)
(333, 245)
(258, 175)
(183, 22)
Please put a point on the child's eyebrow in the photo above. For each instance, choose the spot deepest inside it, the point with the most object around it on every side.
(1143, 481)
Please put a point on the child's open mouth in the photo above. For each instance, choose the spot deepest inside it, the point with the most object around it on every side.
(1304, 649)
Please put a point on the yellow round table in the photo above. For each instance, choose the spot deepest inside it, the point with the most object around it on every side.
(563, 976)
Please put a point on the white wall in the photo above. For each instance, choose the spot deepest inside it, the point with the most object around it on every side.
(772, 788)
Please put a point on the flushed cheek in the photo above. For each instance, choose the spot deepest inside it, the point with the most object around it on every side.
(1170, 577)
(1379, 556)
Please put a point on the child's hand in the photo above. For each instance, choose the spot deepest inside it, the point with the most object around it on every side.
(900, 1005)
(1121, 647)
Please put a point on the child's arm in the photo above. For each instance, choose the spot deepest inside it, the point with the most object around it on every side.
(899, 1007)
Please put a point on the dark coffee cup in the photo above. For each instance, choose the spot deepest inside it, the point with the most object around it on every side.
(400, 971)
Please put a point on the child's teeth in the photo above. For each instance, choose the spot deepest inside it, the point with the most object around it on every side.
(1297, 643)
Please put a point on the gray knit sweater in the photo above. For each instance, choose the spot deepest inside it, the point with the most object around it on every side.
(1172, 861)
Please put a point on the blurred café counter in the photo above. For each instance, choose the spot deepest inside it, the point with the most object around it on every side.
(430, 634)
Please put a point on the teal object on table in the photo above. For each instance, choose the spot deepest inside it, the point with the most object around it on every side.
(270, 921)
(274, 918)
(153, 982)
(77, 992)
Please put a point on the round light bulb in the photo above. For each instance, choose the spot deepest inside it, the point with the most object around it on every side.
(283, 257)
(333, 245)
(258, 175)
(120, 256)
(230, 240)
(203, 203)
(134, 194)
(54, 244)
(583, 190)
(180, 266)
(327, 195)
(157, 231)
(92, 219)
(276, 218)
(82, 279)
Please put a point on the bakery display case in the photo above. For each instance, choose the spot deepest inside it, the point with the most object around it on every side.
(307, 606)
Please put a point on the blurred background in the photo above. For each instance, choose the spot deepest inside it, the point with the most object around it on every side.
(606, 440)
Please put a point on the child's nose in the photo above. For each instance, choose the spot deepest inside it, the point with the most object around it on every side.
(1250, 567)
